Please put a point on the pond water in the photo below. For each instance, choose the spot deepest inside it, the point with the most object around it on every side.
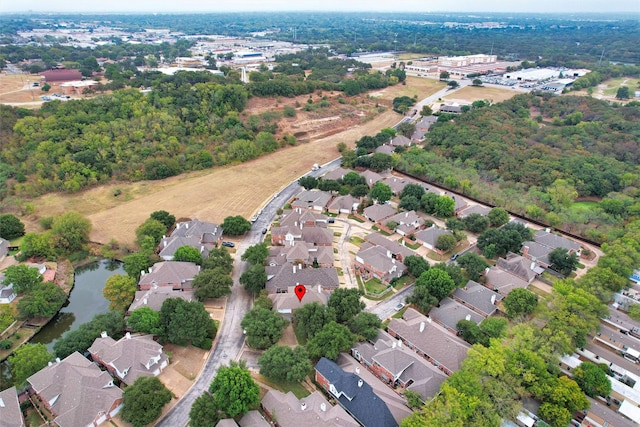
(85, 301)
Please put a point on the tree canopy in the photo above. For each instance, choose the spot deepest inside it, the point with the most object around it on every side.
(10, 226)
(235, 225)
(281, 363)
(27, 360)
(23, 277)
(120, 290)
(263, 327)
(142, 401)
(330, 341)
(212, 283)
(233, 389)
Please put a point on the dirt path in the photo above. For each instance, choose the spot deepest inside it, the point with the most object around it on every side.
(208, 195)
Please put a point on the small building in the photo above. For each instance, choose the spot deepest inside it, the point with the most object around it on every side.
(400, 141)
(177, 275)
(281, 278)
(475, 209)
(450, 312)
(377, 213)
(398, 251)
(336, 174)
(316, 200)
(451, 109)
(297, 252)
(429, 237)
(61, 75)
(7, 294)
(354, 394)
(407, 222)
(371, 177)
(76, 392)
(154, 298)
(129, 358)
(287, 303)
(377, 262)
(479, 298)
(343, 204)
(286, 410)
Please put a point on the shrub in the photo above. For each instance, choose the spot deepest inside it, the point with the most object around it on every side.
(5, 344)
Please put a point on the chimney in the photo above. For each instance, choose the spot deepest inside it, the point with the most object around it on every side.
(294, 269)
(303, 406)
(201, 249)
(547, 230)
(393, 344)
(493, 299)
(525, 250)
(360, 382)
(486, 270)
(467, 317)
(319, 289)
(103, 334)
(150, 269)
(406, 214)
(429, 319)
(533, 265)
(142, 273)
(145, 301)
(323, 407)
(127, 335)
(399, 343)
(357, 370)
(421, 326)
(187, 225)
(57, 360)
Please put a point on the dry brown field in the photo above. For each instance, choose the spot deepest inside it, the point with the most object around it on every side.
(11, 88)
(471, 93)
(416, 86)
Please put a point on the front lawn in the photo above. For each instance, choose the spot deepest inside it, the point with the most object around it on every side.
(358, 241)
(285, 386)
(374, 286)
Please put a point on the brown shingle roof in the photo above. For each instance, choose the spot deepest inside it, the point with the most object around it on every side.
(10, 413)
(287, 275)
(289, 411)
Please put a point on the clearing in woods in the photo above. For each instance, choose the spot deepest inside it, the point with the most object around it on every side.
(472, 93)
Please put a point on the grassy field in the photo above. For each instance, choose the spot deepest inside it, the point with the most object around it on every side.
(415, 86)
(610, 87)
(374, 286)
(471, 93)
(583, 206)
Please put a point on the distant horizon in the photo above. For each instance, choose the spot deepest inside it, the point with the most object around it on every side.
(279, 6)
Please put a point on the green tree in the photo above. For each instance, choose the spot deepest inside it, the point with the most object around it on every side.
(120, 290)
(437, 282)
(365, 326)
(634, 311)
(444, 75)
(144, 320)
(256, 254)
(593, 379)
(23, 277)
(498, 217)
(520, 302)
(27, 360)
(234, 390)
(409, 203)
(281, 363)
(453, 84)
(213, 283)
(70, 231)
(476, 82)
(476, 223)
(426, 111)
(416, 265)
(310, 319)
(308, 182)
(10, 227)
(446, 242)
(82, 338)
(164, 217)
(346, 304)
(444, 206)
(218, 258)
(555, 415)
(414, 399)
(563, 261)
(381, 192)
(254, 278)
(142, 401)
(188, 254)
(562, 193)
(151, 228)
(37, 246)
(623, 92)
(44, 300)
(235, 225)
(474, 265)
(204, 411)
(415, 190)
(263, 327)
(332, 339)
(183, 322)
(138, 262)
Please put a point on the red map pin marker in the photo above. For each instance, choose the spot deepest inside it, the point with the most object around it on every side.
(300, 290)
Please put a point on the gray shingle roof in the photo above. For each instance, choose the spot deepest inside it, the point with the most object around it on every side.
(386, 149)
(207, 232)
(450, 312)
(555, 241)
(356, 396)
(336, 174)
(518, 265)
(296, 217)
(435, 341)
(287, 275)
(537, 252)
(154, 297)
(380, 259)
(83, 390)
(177, 274)
(317, 411)
(377, 212)
(347, 202)
(401, 141)
(10, 413)
(430, 235)
(479, 209)
(317, 235)
(371, 177)
(504, 282)
(393, 246)
(479, 297)
(311, 198)
(289, 300)
(253, 419)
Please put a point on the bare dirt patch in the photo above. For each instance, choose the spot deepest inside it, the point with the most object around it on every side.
(469, 94)
(416, 86)
(12, 88)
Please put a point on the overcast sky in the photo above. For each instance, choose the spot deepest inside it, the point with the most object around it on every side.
(323, 5)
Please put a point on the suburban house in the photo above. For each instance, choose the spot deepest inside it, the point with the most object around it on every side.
(400, 141)
(285, 235)
(317, 236)
(397, 184)
(377, 213)
(399, 366)
(544, 242)
(76, 392)
(430, 340)
(177, 275)
(475, 209)
(10, 413)
(154, 297)
(451, 109)
(129, 358)
(281, 278)
(336, 174)
(301, 218)
(422, 127)
(429, 237)
(398, 251)
(408, 222)
(377, 262)
(386, 149)
(450, 312)
(479, 298)
(195, 233)
(519, 266)
(460, 203)
(312, 199)
(286, 410)
(7, 294)
(287, 303)
(343, 204)
(301, 252)
(354, 394)
(503, 281)
(371, 177)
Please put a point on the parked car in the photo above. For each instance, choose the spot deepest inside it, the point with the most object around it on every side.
(331, 220)
(254, 218)
(454, 257)
(400, 306)
(228, 244)
(264, 231)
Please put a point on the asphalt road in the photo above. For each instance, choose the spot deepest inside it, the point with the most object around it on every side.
(386, 308)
